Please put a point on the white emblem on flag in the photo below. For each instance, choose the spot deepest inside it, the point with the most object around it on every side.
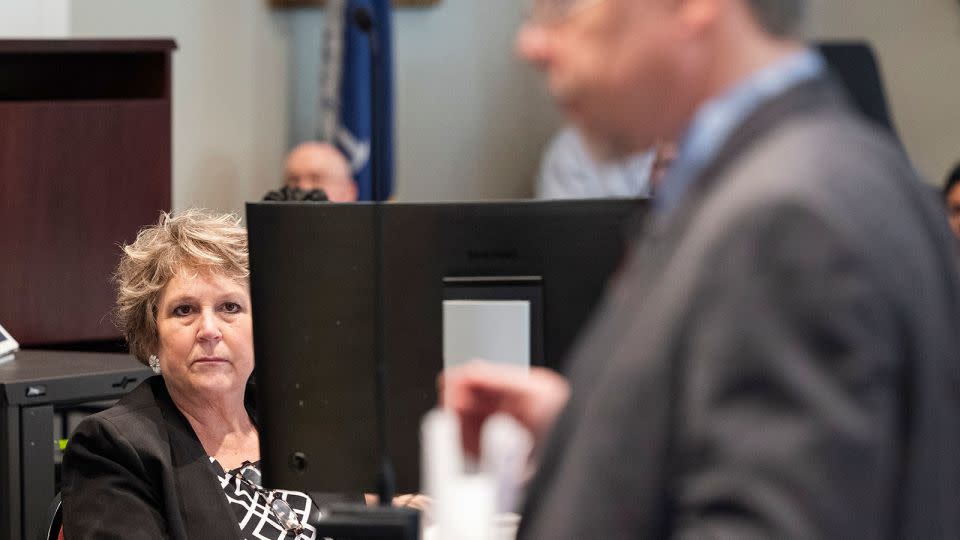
(357, 152)
(329, 127)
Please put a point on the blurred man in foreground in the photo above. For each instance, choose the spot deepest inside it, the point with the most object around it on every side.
(778, 357)
(318, 165)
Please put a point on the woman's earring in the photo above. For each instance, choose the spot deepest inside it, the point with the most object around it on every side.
(154, 363)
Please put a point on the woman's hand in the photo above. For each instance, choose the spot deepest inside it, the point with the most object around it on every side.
(415, 501)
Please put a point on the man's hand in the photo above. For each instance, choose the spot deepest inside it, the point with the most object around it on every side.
(475, 391)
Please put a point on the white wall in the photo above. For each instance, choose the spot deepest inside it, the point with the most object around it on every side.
(34, 18)
(230, 90)
(471, 119)
(918, 44)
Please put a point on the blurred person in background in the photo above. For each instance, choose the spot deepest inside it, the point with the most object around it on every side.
(567, 171)
(316, 165)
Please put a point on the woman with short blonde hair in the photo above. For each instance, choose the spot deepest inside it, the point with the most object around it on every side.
(178, 457)
(193, 239)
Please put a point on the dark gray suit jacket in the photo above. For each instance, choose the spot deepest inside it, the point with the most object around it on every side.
(778, 358)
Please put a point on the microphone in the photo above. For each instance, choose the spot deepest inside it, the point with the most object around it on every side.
(287, 193)
(363, 19)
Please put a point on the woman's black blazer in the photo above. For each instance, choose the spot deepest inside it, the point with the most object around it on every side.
(137, 470)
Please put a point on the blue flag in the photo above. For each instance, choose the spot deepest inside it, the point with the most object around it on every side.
(356, 112)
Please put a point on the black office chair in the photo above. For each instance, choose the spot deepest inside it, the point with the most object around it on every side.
(53, 530)
(856, 66)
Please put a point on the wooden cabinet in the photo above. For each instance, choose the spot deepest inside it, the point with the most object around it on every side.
(85, 161)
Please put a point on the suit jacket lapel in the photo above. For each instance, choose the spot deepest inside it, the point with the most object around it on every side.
(802, 98)
(655, 245)
(203, 504)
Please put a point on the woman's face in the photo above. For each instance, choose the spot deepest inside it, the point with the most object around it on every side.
(206, 335)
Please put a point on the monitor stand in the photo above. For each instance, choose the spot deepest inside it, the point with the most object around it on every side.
(361, 522)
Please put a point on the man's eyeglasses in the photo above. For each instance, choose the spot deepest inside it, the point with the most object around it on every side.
(547, 12)
(281, 509)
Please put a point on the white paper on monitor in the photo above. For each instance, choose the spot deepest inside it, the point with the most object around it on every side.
(494, 330)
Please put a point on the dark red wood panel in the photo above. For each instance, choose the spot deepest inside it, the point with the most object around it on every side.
(77, 179)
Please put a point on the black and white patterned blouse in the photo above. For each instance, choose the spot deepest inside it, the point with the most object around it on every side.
(256, 520)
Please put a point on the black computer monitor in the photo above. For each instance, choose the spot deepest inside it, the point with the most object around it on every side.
(314, 294)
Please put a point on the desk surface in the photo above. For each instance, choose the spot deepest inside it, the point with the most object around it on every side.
(35, 376)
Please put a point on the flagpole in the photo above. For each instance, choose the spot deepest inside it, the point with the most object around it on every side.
(331, 72)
